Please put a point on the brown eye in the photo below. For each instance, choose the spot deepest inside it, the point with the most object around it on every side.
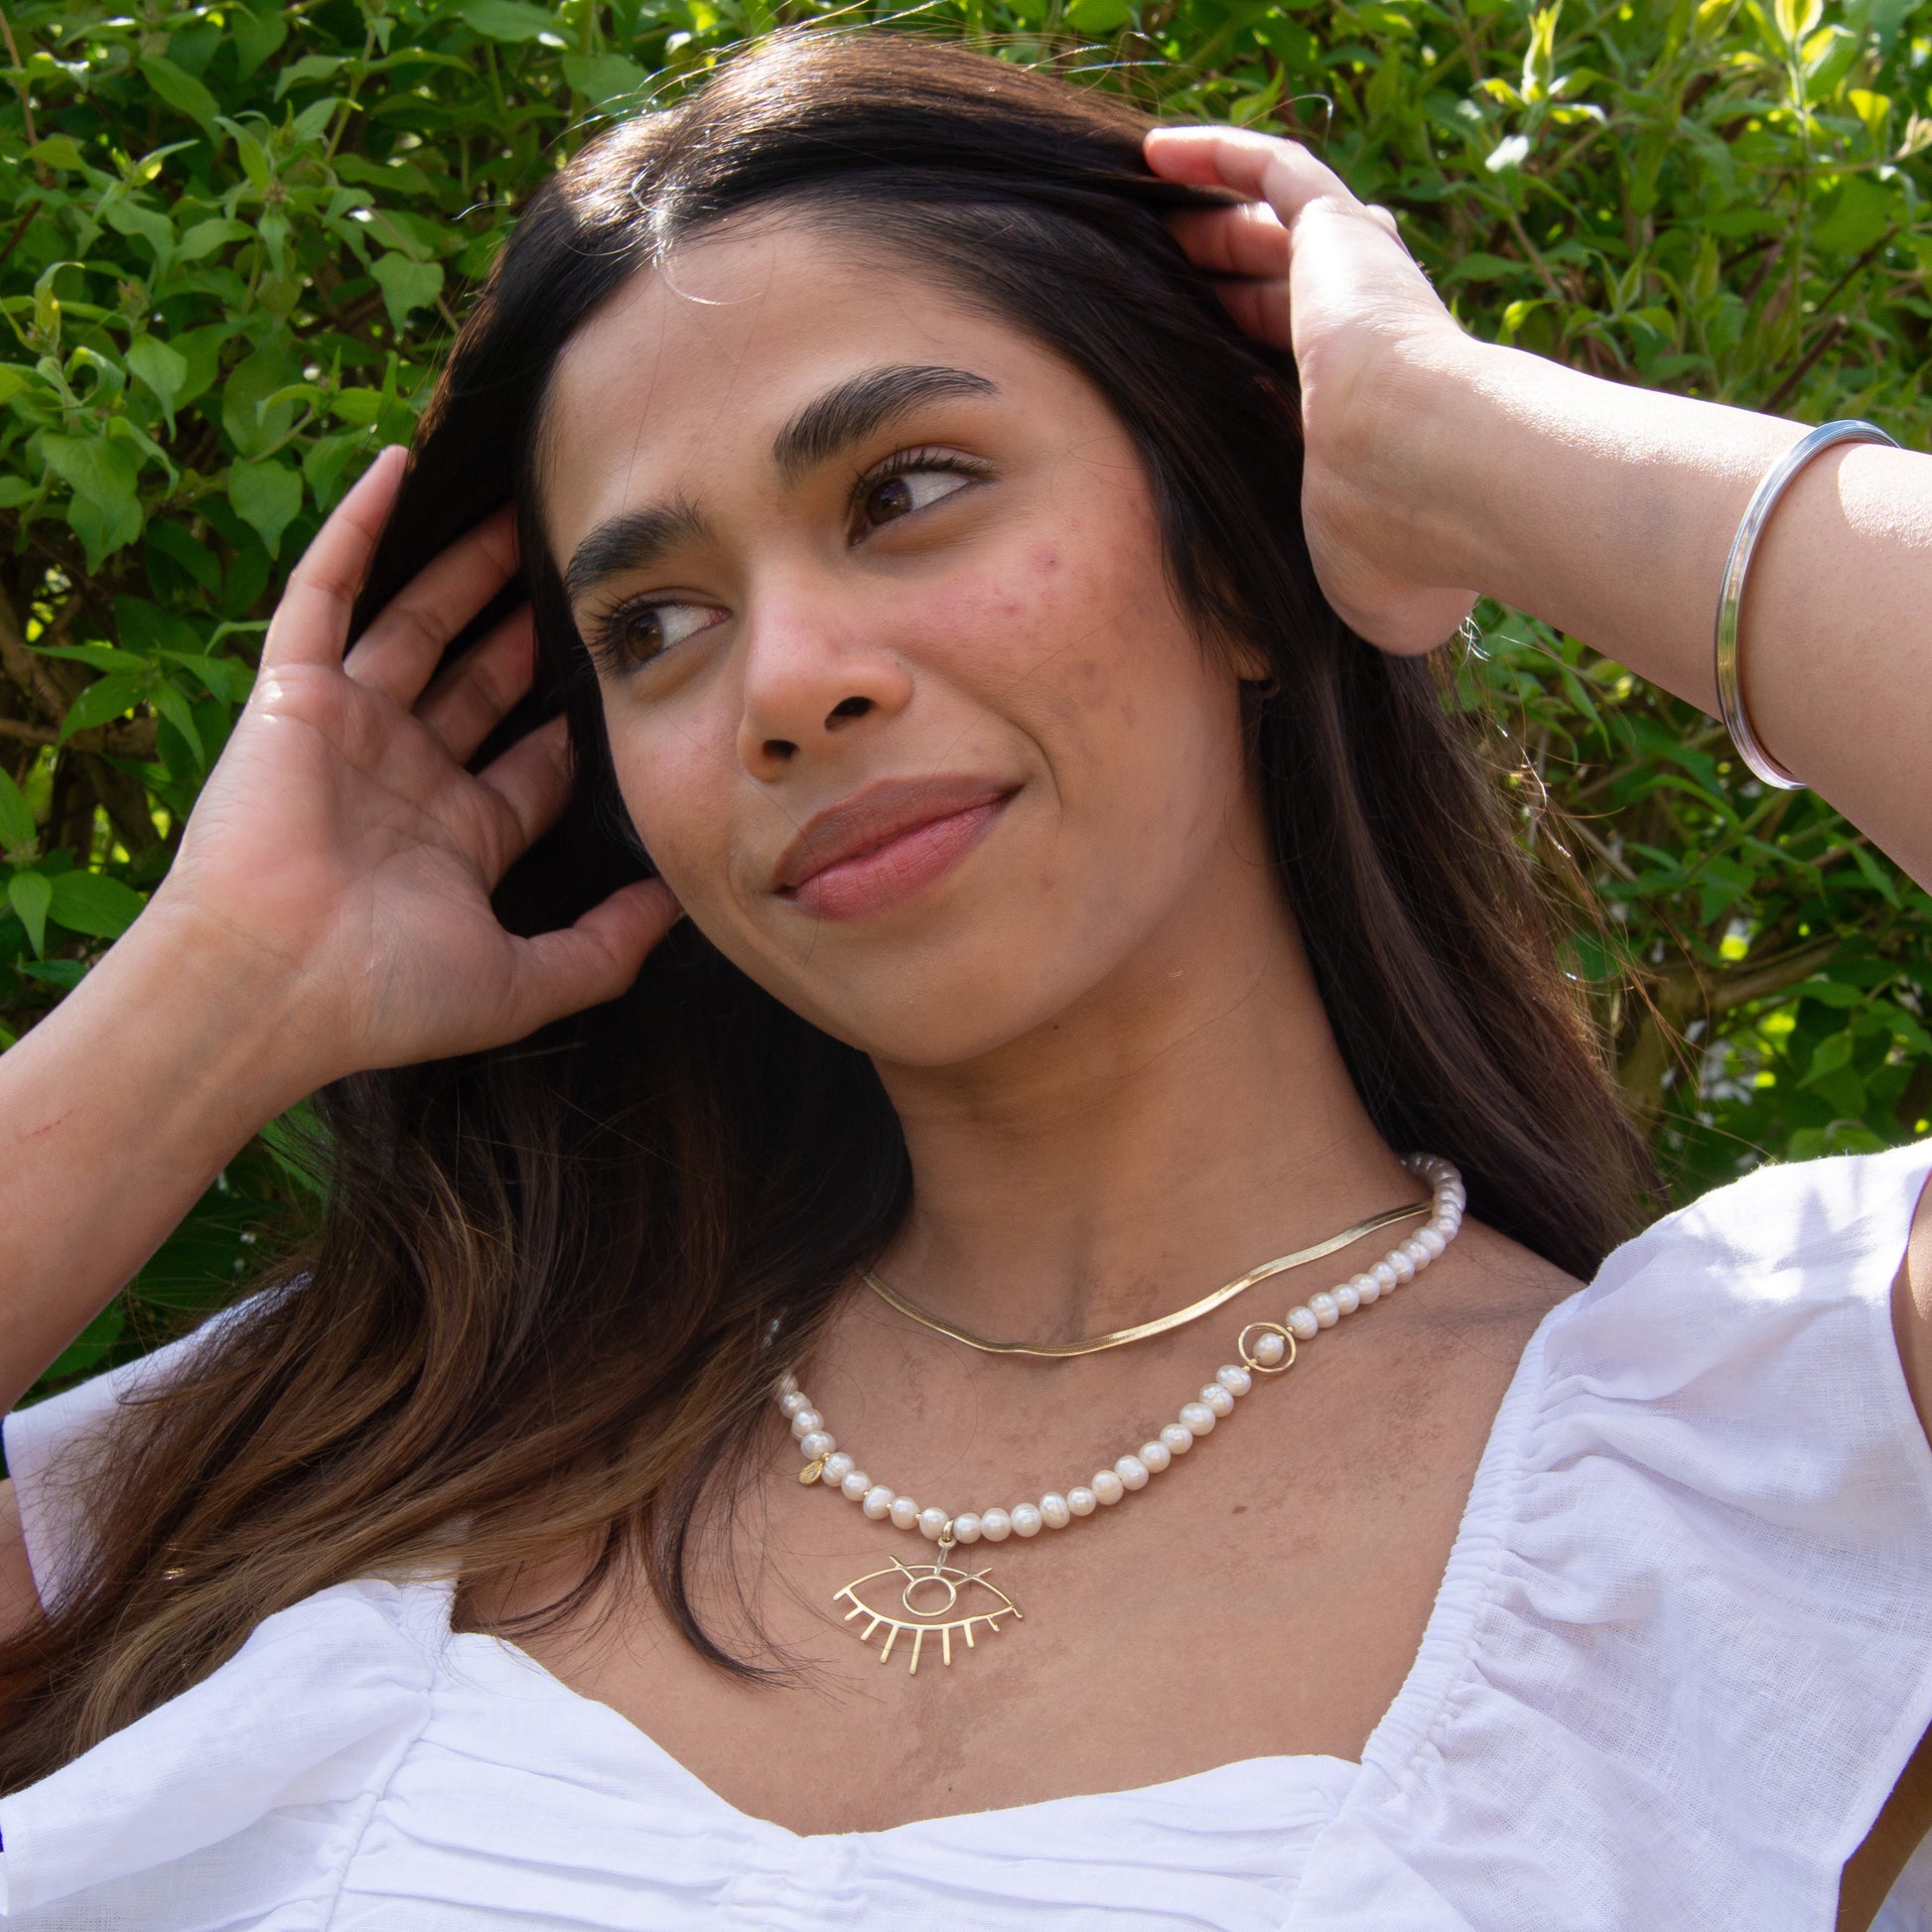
(888, 499)
(637, 632)
(892, 497)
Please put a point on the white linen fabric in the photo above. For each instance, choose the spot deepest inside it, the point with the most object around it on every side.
(1681, 1653)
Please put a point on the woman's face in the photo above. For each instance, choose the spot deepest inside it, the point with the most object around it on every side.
(899, 695)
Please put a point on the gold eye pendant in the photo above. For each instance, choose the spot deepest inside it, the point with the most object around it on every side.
(930, 1594)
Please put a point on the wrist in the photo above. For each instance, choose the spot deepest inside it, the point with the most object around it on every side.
(215, 1025)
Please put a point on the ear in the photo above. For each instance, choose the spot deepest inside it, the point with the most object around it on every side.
(1250, 661)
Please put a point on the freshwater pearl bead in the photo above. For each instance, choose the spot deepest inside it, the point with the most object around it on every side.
(1216, 1401)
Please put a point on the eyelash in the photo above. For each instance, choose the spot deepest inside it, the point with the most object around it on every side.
(605, 646)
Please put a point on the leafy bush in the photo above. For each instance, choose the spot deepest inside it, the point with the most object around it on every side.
(239, 235)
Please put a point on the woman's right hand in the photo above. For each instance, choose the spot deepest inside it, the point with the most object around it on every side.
(343, 856)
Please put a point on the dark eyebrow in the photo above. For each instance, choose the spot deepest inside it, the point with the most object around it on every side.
(861, 407)
(633, 541)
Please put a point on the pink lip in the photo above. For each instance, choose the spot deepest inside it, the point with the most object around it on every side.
(887, 843)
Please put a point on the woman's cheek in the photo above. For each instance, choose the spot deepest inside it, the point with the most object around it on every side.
(663, 780)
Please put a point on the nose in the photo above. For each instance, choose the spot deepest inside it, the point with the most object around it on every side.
(812, 672)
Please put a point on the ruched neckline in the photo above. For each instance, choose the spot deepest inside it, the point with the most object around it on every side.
(1680, 1650)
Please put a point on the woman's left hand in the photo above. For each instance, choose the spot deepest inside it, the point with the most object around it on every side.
(1318, 273)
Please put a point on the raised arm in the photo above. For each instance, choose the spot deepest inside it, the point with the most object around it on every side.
(329, 912)
(1438, 466)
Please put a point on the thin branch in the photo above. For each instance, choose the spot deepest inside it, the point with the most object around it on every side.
(20, 87)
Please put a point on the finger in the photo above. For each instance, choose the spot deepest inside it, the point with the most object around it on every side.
(1283, 174)
(533, 779)
(398, 654)
(311, 622)
(1384, 218)
(1245, 240)
(1259, 309)
(473, 696)
(595, 960)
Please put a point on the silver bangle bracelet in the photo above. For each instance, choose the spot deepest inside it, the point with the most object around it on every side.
(1777, 478)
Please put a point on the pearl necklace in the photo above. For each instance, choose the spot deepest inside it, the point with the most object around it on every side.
(1264, 1348)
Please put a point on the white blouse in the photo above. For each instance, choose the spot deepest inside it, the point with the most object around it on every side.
(1682, 1651)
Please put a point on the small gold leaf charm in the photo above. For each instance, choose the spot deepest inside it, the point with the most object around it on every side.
(812, 1469)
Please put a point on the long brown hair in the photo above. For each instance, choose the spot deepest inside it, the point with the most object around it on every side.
(535, 1309)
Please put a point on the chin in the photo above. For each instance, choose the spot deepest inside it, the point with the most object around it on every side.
(968, 1010)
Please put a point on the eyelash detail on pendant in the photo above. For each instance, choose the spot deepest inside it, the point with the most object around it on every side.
(923, 1623)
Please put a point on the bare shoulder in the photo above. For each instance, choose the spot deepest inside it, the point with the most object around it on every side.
(20, 1603)
(1911, 1308)
(1492, 1287)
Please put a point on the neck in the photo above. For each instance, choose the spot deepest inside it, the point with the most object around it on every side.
(1186, 1121)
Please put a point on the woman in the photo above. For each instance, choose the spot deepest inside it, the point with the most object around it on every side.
(1088, 900)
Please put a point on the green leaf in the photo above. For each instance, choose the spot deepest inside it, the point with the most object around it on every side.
(67, 974)
(104, 472)
(256, 35)
(311, 66)
(602, 78)
(87, 903)
(406, 285)
(507, 20)
(1099, 16)
(19, 841)
(181, 91)
(30, 895)
(170, 703)
(57, 151)
(182, 550)
(359, 406)
(104, 475)
(1853, 215)
(103, 702)
(97, 657)
(159, 368)
(256, 424)
(267, 498)
(204, 237)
